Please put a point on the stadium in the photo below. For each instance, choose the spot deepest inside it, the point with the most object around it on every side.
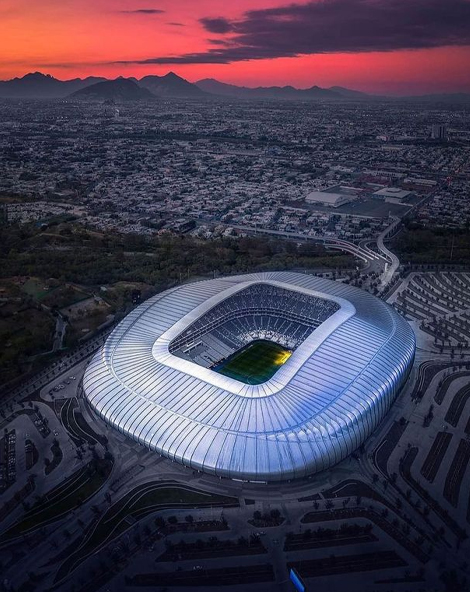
(261, 377)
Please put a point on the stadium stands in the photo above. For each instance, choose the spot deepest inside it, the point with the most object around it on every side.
(259, 312)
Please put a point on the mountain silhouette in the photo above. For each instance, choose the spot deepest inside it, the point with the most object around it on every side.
(171, 85)
(43, 86)
(119, 90)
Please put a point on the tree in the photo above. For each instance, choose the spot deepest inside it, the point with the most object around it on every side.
(452, 581)
(275, 514)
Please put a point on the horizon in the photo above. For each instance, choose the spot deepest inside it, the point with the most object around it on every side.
(252, 86)
(391, 48)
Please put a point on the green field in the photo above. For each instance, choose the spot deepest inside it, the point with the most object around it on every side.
(255, 363)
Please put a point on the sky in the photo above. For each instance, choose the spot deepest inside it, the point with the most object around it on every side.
(380, 46)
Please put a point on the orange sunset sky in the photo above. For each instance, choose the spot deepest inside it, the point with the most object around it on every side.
(389, 46)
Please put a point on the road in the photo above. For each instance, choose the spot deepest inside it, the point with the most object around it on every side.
(365, 254)
(55, 370)
(392, 264)
(59, 332)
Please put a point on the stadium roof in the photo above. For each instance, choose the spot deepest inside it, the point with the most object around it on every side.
(318, 407)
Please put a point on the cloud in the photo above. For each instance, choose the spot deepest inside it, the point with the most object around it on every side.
(224, 42)
(143, 11)
(216, 25)
(175, 24)
(333, 26)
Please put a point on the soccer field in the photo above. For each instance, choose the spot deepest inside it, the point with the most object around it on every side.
(255, 363)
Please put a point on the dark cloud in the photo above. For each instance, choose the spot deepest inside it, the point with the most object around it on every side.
(216, 25)
(224, 42)
(331, 26)
(143, 11)
(174, 24)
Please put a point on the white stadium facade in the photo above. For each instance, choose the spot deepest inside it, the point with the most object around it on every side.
(156, 378)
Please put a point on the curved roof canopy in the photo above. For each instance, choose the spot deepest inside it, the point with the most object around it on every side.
(316, 409)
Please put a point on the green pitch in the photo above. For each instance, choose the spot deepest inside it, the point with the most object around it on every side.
(255, 363)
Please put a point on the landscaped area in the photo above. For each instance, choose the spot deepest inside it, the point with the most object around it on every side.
(136, 504)
(213, 547)
(62, 499)
(246, 574)
(57, 456)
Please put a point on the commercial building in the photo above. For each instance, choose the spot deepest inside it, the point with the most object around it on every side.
(332, 197)
(392, 194)
(438, 132)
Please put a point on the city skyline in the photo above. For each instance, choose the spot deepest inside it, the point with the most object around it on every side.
(378, 47)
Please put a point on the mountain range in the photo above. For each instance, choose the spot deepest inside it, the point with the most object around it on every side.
(214, 87)
(44, 86)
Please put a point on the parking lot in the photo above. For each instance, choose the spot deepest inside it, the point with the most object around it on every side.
(62, 385)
